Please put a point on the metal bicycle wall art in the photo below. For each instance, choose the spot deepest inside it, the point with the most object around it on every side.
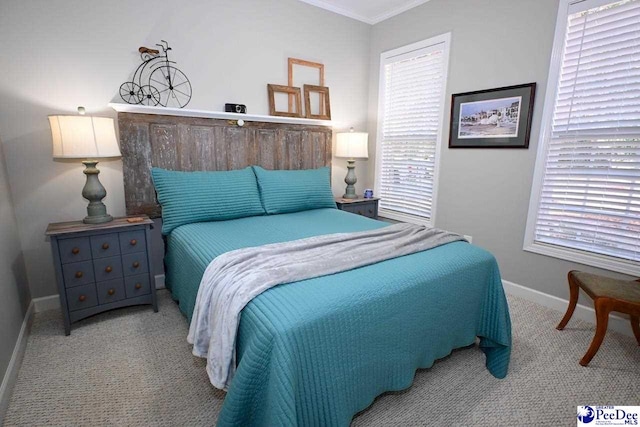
(157, 81)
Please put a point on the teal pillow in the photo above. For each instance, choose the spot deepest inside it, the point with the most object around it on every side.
(284, 191)
(188, 197)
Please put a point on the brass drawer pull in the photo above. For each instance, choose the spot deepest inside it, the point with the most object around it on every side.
(79, 274)
(133, 242)
(105, 246)
(81, 298)
(111, 291)
(75, 251)
(109, 269)
(138, 285)
(136, 264)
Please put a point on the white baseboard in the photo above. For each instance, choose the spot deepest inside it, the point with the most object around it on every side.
(11, 374)
(50, 302)
(582, 312)
(160, 281)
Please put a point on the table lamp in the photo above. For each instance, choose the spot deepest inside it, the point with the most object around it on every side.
(352, 145)
(88, 138)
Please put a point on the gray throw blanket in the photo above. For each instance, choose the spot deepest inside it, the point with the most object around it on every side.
(234, 278)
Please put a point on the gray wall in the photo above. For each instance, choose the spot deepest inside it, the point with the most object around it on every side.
(485, 192)
(58, 55)
(14, 292)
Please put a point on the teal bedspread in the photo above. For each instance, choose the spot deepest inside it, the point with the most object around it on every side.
(315, 352)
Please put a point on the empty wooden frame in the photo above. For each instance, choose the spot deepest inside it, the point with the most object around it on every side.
(292, 92)
(303, 63)
(325, 106)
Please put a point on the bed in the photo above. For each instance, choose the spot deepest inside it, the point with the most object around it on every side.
(317, 351)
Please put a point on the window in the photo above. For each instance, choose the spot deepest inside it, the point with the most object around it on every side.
(585, 202)
(411, 107)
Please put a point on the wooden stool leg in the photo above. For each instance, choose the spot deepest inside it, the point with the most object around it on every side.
(635, 325)
(573, 300)
(603, 307)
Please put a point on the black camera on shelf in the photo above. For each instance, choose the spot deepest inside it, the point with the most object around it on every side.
(235, 108)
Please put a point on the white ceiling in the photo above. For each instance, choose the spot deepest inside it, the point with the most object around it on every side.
(369, 11)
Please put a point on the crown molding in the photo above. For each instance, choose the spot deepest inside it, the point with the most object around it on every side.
(397, 11)
(344, 12)
(362, 18)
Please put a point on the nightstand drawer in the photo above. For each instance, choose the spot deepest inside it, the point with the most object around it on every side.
(74, 250)
(137, 285)
(105, 245)
(107, 268)
(132, 241)
(110, 291)
(82, 297)
(78, 273)
(364, 209)
(135, 263)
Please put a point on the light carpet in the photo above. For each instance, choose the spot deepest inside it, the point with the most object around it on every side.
(134, 367)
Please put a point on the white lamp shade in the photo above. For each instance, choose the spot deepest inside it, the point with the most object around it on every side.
(352, 145)
(83, 137)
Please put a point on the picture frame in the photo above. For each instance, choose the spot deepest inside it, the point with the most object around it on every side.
(291, 62)
(492, 118)
(325, 106)
(290, 91)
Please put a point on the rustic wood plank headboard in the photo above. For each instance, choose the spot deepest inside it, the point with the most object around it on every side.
(194, 144)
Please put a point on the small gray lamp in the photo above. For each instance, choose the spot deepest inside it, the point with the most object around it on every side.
(352, 145)
(88, 138)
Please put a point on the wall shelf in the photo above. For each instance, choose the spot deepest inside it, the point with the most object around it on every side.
(185, 112)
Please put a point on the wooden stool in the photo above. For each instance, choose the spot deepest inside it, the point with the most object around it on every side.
(608, 295)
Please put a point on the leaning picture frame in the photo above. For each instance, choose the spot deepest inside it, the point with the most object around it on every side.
(325, 104)
(293, 63)
(292, 91)
(493, 118)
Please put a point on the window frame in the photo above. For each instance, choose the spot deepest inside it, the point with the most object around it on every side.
(565, 8)
(400, 52)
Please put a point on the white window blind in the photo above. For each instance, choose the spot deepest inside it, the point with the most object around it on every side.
(412, 94)
(590, 193)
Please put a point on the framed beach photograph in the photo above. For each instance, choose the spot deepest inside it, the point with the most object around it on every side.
(493, 118)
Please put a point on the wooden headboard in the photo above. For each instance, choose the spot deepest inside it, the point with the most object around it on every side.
(204, 144)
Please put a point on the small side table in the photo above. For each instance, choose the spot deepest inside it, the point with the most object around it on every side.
(364, 207)
(100, 267)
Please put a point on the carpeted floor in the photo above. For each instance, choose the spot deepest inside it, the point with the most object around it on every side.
(134, 367)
